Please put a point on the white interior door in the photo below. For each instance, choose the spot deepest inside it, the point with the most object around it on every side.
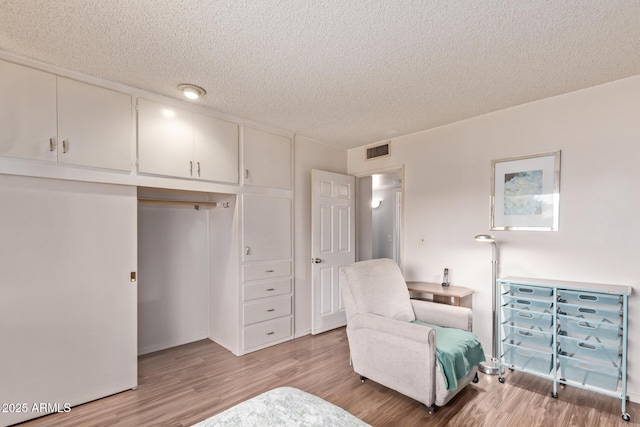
(67, 303)
(332, 245)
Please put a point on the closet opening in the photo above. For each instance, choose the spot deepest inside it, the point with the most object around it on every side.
(180, 237)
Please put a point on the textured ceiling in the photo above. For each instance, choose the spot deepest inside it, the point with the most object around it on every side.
(344, 72)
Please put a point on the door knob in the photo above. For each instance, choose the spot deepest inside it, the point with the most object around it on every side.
(316, 260)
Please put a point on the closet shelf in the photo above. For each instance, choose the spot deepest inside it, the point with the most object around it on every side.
(159, 202)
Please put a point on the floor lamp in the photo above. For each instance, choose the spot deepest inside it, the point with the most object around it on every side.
(491, 367)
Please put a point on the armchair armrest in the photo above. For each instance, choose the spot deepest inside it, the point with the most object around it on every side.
(443, 315)
(419, 333)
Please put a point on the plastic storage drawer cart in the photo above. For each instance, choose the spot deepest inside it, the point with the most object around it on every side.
(568, 332)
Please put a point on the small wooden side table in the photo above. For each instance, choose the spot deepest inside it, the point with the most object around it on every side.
(452, 295)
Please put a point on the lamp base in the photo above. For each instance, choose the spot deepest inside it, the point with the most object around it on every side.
(490, 367)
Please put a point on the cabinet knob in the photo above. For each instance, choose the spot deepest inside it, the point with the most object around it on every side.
(198, 169)
(52, 144)
(246, 173)
(316, 260)
(65, 145)
(191, 167)
(247, 250)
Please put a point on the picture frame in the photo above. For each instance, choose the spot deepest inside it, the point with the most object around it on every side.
(525, 192)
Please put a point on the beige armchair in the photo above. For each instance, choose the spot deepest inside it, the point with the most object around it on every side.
(385, 345)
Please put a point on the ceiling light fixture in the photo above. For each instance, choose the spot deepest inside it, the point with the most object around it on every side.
(191, 91)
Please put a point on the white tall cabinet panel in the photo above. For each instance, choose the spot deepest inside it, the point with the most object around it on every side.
(95, 126)
(267, 227)
(27, 112)
(267, 159)
(67, 303)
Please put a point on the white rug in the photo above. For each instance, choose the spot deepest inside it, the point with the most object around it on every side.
(284, 406)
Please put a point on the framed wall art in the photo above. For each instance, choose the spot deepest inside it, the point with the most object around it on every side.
(525, 192)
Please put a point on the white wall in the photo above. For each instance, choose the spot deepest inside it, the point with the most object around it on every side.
(447, 187)
(309, 154)
(173, 292)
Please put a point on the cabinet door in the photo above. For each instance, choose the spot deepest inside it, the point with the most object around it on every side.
(267, 159)
(266, 227)
(67, 305)
(165, 140)
(215, 149)
(27, 112)
(94, 126)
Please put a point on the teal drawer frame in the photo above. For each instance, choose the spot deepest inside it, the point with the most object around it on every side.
(589, 329)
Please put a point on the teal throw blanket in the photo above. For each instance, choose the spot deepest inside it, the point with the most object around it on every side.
(457, 351)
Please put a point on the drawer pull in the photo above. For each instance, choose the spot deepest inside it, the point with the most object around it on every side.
(271, 309)
(587, 310)
(526, 315)
(271, 289)
(269, 271)
(588, 297)
(525, 333)
(587, 346)
(586, 325)
(52, 144)
(525, 290)
(270, 333)
(523, 302)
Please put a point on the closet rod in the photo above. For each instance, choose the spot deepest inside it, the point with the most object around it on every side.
(196, 205)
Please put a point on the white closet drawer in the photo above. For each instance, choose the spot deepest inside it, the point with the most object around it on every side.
(269, 288)
(272, 308)
(266, 270)
(266, 332)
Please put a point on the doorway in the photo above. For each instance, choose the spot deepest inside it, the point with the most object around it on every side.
(380, 214)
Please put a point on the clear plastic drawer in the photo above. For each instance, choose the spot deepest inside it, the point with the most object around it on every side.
(528, 358)
(577, 297)
(527, 318)
(589, 373)
(527, 337)
(527, 291)
(598, 313)
(606, 353)
(577, 327)
(528, 303)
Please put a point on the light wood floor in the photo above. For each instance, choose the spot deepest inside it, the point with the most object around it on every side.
(187, 384)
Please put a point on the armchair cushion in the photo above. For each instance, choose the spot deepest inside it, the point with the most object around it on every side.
(378, 287)
(457, 351)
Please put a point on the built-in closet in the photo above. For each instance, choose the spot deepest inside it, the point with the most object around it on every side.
(131, 223)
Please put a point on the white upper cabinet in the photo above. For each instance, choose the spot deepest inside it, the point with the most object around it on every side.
(215, 149)
(165, 140)
(45, 117)
(267, 159)
(95, 126)
(27, 112)
(176, 142)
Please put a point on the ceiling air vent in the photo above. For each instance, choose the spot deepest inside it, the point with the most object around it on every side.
(378, 151)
